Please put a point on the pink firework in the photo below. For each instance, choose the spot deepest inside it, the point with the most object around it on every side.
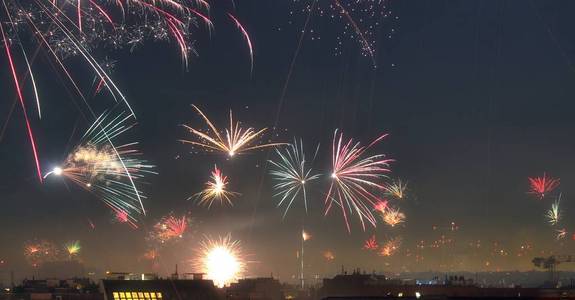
(247, 38)
(121, 216)
(371, 244)
(355, 178)
(381, 206)
(542, 185)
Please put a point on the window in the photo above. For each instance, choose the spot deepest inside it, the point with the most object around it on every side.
(137, 295)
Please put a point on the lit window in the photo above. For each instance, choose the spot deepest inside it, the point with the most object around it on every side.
(140, 295)
(153, 295)
(116, 296)
(160, 295)
(122, 295)
(134, 295)
(147, 295)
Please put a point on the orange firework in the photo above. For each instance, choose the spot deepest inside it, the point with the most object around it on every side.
(216, 190)
(328, 255)
(390, 247)
(221, 260)
(39, 252)
(392, 216)
(233, 140)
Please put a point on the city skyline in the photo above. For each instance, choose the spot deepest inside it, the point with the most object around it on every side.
(475, 99)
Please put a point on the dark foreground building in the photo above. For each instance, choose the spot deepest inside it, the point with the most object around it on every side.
(160, 289)
(263, 288)
(53, 289)
(369, 286)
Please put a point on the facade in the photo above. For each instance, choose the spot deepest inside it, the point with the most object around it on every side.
(159, 289)
(264, 288)
(362, 286)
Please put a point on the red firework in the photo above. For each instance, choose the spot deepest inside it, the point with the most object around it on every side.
(371, 244)
(170, 228)
(542, 185)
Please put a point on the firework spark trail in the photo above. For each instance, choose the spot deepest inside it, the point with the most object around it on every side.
(237, 139)
(216, 190)
(28, 66)
(353, 176)
(247, 38)
(100, 167)
(22, 104)
(366, 45)
(291, 174)
(75, 28)
(542, 185)
(89, 59)
(360, 22)
(222, 260)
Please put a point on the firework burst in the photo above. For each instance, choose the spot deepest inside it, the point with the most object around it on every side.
(359, 22)
(121, 216)
(170, 228)
(231, 141)
(216, 190)
(222, 260)
(390, 247)
(108, 171)
(371, 244)
(560, 233)
(39, 252)
(73, 248)
(553, 214)
(541, 186)
(65, 28)
(393, 216)
(396, 189)
(328, 255)
(354, 177)
(292, 174)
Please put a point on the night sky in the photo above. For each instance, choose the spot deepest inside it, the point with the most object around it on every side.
(477, 96)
